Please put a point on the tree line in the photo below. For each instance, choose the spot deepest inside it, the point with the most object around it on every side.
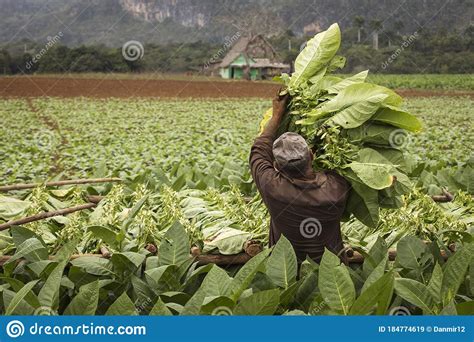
(365, 45)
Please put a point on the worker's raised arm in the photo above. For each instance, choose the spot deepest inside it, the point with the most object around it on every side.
(280, 107)
(261, 156)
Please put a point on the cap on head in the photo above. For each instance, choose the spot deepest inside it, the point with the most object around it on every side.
(291, 151)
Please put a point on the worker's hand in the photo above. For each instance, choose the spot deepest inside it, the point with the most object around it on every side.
(280, 104)
(394, 180)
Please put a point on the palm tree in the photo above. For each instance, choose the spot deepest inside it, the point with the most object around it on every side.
(376, 26)
(359, 22)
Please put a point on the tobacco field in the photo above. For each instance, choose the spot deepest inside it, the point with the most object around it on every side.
(186, 183)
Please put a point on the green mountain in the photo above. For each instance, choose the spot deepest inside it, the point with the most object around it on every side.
(113, 22)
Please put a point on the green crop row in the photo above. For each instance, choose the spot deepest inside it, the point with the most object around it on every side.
(132, 283)
(447, 82)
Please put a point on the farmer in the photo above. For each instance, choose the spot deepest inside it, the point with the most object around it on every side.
(305, 206)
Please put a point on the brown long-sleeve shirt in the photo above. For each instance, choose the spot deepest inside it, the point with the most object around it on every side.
(306, 211)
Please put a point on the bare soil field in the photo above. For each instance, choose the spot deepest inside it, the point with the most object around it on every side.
(127, 88)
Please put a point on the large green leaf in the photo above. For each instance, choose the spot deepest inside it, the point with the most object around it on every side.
(11, 207)
(434, 286)
(335, 283)
(379, 173)
(415, 293)
(175, 297)
(260, 303)
(185, 266)
(377, 253)
(316, 55)
(449, 309)
(370, 133)
(94, 265)
(216, 283)
(123, 306)
(65, 252)
(379, 292)
(316, 78)
(363, 203)
(318, 307)
(358, 113)
(337, 62)
(375, 176)
(328, 81)
(373, 169)
(386, 295)
(287, 296)
(217, 306)
(398, 118)
(160, 309)
(193, 306)
(192, 279)
(282, 264)
(228, 241)
(49, 293)
(376, 274)
(393, 155)
(24, 308)
(307, 266)
(245, 275)
(142, 295)
(86, 301)
(360, 92)
(307, 291)
(357, 78)
(19, 298)
(454, 272)
(17, 285)
(42, 266)
(105, 234)
(127, 262)
(163, 278)
(409, 251)
(20, 234)
(31, 249)
(174, 248)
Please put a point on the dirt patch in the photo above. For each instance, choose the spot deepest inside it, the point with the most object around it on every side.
(52, 125)
(104, 88)
(124, 88)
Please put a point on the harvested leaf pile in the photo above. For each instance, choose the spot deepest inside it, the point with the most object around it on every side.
(353, 127)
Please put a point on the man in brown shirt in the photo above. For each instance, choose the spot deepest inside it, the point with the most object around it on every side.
(305, 206)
